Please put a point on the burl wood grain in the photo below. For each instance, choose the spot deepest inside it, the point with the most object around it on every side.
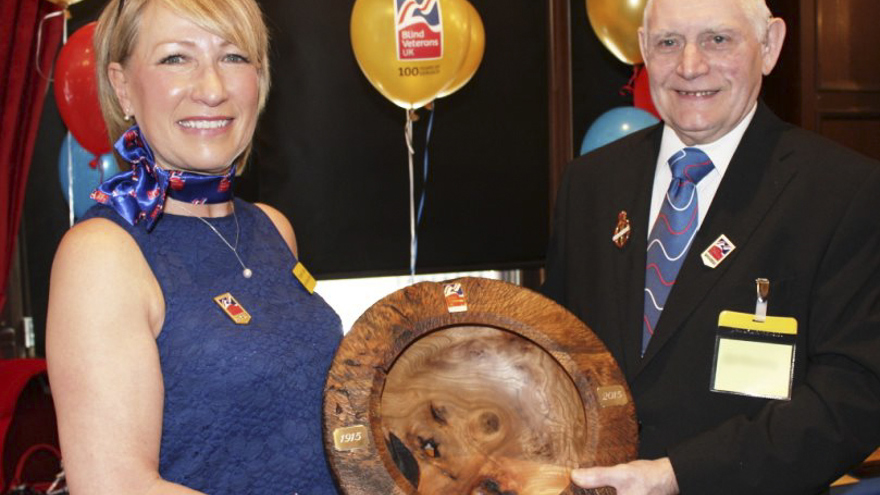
(503, 399)
(478, 406)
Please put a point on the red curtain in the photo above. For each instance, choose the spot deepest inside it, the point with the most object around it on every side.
(22, 90)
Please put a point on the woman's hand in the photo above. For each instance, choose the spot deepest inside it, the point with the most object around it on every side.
(634, 478)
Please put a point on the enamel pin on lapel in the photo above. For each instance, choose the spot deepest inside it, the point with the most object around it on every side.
(233, 309)
(622, 230)
(717, 252)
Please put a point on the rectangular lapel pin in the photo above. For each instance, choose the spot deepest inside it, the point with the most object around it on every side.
(304, 277)
(456, 299)
(717, 252)
(232, 309)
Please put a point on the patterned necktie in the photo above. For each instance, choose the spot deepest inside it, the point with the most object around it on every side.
(672, 233)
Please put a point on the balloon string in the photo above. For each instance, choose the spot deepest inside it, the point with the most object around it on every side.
(430, 108)
(408, 131)
(40, 42)
(629, 87)
(69, 140)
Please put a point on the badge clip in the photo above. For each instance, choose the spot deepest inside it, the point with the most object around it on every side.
(762, 286)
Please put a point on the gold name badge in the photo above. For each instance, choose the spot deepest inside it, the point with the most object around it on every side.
(350, 438)
(613, 395)
(304, 277)
(233, 309)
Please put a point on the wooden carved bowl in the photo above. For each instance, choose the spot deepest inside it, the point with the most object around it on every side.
(473, 387)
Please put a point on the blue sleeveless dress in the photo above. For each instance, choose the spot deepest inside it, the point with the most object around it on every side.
(243, 403)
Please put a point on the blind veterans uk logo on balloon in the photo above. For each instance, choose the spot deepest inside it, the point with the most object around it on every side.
(419, 30)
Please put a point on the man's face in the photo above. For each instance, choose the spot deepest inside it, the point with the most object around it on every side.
(705, 63)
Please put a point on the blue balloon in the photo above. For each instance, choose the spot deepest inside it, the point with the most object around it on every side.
(615, 124)
(87, 170)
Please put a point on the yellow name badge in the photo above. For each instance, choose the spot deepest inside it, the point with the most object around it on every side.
(754, 358)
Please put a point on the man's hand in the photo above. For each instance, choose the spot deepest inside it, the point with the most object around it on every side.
(634, 478)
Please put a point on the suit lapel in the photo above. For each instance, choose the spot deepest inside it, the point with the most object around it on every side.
(751, 185)
(635, 185)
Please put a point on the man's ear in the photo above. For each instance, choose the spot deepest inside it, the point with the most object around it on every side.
(772, 44)
(116, 74)
(643, 43)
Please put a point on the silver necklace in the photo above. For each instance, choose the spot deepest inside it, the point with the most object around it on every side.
(245, 271)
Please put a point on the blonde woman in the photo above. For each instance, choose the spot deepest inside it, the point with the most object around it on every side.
(186, 352)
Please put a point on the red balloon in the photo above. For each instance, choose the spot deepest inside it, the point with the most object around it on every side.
(642, 92)
(76, 91)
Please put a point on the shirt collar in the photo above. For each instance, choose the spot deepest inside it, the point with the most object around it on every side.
(720, 151)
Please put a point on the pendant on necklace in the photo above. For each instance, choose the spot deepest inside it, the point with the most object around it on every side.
(233, 309)
(245, 271)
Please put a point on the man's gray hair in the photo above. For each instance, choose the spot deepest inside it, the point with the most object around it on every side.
(756, 11)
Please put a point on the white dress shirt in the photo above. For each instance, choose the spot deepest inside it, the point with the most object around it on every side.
(720, 152)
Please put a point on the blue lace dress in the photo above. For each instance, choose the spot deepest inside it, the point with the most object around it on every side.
(243, 403)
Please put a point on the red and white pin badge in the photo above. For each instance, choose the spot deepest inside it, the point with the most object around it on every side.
(717, 252)
(456, 300)
(233, 309)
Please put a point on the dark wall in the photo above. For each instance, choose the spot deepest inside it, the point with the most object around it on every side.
(331, 151)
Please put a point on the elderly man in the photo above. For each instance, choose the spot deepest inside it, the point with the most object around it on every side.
(731, 264)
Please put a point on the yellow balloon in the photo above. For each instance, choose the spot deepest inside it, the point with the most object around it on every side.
(476, 47)
(616, 23)
(407, 51)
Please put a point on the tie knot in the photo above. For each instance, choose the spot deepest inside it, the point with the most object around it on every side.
(690, 164)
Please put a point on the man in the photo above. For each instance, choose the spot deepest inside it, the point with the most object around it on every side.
(659, 233)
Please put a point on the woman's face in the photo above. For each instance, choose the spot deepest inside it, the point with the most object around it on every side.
(194, 94)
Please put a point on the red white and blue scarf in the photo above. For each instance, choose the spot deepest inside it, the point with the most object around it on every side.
(140, 193)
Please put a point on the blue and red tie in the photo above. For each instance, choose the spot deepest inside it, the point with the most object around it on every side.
(672, 233)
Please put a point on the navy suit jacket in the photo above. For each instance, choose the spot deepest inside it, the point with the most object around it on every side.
(802, 212)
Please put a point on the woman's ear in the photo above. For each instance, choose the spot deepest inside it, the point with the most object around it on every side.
(116, 74)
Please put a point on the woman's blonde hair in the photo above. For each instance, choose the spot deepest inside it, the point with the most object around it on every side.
(238, 21)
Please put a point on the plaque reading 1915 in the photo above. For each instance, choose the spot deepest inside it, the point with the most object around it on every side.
(475, 387)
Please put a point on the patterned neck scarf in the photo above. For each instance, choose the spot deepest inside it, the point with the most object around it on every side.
(140, 193)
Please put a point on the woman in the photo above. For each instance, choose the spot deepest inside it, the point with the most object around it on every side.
(186, 351)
